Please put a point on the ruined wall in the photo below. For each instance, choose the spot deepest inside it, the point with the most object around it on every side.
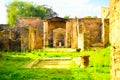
(59, 37)
(115, 38)
(9, 38)
(4, 37)
(105, 15)
(105, 32)
(74, 34)
(50, 25)
(30, 38)
(15, 45)
(84, 32)
(24, 33)
(33, 35)
(83, 41)
(14, 40)
(68, 33)
(29, 21)
(38, 40)
(45, 33)
(91, 26)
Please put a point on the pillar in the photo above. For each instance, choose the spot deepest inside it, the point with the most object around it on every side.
(68, 36)
(45, 33)
(74, 39)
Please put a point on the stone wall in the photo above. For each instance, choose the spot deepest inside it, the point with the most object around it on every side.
(24, 33)
(15, 45)
(105, 12)
(73, 27)
(93, 26)
(74, 34)
(105, 32)
(31, 32)
(38, 40)
(4, 37)
(105, 15)
(45, 33)
(30, 38)
(59, 37)
(9, 38)
(14, 40)
(115, 38)
(29, 21)
(77, 31)
(53, 26)
(68, 33)
(28, 33)
(49, 26)
(83, 41)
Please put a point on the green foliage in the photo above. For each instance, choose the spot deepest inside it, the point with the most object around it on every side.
(95, 17)
(17, 9)
(49, 12)
(67, 17)
(90, 17)
(87, 17)
(40, 11)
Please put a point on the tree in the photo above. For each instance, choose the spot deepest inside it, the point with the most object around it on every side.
(49, 12)
(95, 17)
(66, 17)
(17, 9)
(40, 11)
(87, 17)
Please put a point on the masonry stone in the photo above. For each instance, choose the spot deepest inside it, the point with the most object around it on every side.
(115, 39)
(4, 38)
(33, 33)
(105, 15)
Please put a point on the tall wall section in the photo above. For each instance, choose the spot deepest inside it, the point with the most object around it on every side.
(49, 26)
(105, 14)
(115, 38)
(30, 30)
(93, 26)
(4, 37)
(74, 34)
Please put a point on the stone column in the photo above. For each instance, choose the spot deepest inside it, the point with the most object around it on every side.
(68, 31)
(115, 38)
(45, 33)
(81, 41)
(84, 40)
(31, 38)
(74, 41)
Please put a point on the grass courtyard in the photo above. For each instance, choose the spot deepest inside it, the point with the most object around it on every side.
(13, 65)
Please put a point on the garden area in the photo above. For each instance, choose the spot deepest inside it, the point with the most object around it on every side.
(13, 65)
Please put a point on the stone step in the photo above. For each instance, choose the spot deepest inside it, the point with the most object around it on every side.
(52, 59)
(50, 63)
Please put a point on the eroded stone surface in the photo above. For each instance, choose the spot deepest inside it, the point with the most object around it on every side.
(115, 38)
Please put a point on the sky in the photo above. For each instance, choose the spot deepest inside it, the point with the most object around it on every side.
(72, 8)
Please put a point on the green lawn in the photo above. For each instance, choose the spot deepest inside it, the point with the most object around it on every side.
(12, 66)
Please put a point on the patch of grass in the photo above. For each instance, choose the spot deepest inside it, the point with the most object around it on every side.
(11, 66)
